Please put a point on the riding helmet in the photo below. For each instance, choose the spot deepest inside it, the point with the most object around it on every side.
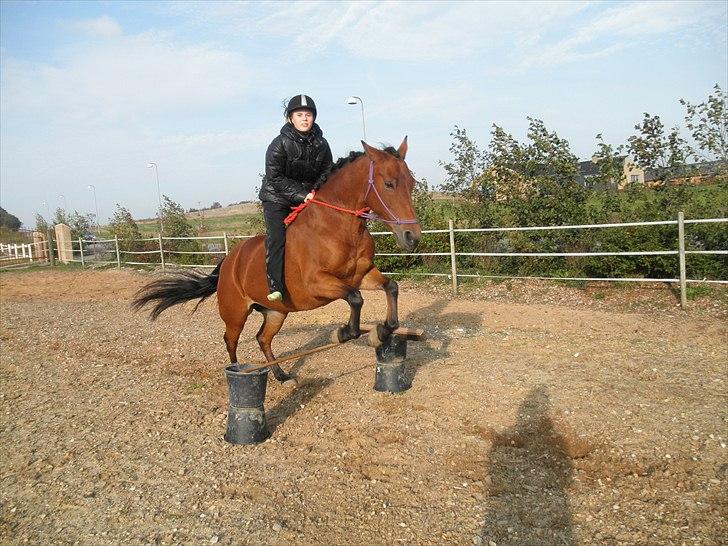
(300, 102)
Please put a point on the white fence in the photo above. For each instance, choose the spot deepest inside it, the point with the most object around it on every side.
(86, 252)
(13, 254)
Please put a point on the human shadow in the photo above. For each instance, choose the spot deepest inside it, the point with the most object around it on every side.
(529, 472)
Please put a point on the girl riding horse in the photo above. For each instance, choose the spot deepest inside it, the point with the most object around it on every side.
(296, 163)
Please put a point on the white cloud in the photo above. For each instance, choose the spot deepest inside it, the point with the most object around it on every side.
(621, 26)
(387, 30)
(104, 27)
(122, 78)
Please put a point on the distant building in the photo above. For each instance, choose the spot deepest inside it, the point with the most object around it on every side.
(589, 175)
(705, 172)
(694, 173)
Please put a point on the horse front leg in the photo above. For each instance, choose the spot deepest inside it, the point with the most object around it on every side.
(374, 280)
(351, 330)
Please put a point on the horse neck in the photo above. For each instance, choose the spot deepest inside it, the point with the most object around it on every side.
(346, 187)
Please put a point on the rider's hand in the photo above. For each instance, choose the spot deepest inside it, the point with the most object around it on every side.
(308, 197)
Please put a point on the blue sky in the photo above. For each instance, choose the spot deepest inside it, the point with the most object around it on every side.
(90, 92)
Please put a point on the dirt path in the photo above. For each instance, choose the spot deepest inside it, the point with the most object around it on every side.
(572, 421)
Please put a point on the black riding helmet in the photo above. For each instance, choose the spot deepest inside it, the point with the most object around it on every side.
(300, 102)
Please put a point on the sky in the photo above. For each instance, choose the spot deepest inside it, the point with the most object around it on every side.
(91, 92)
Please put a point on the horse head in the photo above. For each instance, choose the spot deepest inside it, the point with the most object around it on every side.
(389, 194)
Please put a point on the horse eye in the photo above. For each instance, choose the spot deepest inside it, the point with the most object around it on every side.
(389, 184)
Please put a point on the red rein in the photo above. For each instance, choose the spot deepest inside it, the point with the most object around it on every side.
(298, 208)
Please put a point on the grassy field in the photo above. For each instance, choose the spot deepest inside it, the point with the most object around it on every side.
(237, 224)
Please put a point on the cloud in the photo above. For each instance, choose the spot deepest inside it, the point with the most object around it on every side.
(103, 26)
(120, 79)
(387, 30)
(622, 26)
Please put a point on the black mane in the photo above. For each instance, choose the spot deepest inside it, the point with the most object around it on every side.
(354, 155)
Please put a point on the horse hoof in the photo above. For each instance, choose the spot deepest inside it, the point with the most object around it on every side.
(373, 338)
(335, 337)
(291, 383)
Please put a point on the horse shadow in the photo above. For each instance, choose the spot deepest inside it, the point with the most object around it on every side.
(435, 321)
(295, 401)
(529, 472)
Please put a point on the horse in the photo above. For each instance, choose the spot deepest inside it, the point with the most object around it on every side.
(328, 256)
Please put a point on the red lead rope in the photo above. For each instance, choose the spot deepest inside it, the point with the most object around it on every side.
(298, 208)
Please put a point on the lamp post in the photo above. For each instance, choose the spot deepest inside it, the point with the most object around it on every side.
(353, 100)
(63, 200)
(96, 207)
(159, 195)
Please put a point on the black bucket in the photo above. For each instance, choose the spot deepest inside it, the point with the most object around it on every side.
(391, 373)
(246, 416)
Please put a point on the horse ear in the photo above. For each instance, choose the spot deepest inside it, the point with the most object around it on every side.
(402, 150)
(372, 152)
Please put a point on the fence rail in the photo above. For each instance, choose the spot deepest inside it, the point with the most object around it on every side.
(77, 248)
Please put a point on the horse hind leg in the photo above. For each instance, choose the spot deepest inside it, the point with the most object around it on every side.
(234, 324)
(272, 323)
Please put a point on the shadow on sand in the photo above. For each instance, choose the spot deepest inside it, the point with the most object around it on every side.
(530, 473)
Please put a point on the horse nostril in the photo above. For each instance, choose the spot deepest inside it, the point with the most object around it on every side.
(410, 238)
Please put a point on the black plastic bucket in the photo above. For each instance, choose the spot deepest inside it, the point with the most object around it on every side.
(246, 422)
(391, 374)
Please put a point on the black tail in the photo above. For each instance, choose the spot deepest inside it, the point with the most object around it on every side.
(177, 288)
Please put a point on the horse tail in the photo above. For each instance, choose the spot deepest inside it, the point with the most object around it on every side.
(177, 288)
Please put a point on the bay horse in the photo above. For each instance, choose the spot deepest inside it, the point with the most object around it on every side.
(328, 256)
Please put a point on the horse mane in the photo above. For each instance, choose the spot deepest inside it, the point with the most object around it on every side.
(342, 161)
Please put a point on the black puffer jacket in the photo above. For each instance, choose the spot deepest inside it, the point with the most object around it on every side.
(295, 163)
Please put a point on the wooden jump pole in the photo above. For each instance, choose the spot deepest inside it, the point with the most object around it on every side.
(412, 334)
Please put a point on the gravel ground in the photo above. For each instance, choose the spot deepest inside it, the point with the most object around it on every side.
(539, 414)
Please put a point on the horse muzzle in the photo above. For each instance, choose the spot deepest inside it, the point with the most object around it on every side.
(409, 237)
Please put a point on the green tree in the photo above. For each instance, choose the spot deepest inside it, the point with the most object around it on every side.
(9, 221)
(61, 217)
(610, 162)
(465, 171)
(123, 226)
(708, 123)
(177, 225)
(40, 223)
(80, 224)
(653, 149)
(175, 222)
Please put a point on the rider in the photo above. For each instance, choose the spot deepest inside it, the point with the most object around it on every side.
(296, 163)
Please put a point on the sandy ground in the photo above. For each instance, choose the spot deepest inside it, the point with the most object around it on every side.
(537, 415)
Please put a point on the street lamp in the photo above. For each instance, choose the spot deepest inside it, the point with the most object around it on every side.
(48, 211)
(159, 195)
(65, 205)
(96, 206)
(353, 100)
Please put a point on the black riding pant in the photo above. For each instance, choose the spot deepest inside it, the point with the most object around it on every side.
(275, 243)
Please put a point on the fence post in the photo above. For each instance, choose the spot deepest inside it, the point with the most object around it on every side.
(681, 252)
(118, 254)
(49, 238)
(224, 236)
(161, 251)
(80, 248)
(453, 262)
(30, 253)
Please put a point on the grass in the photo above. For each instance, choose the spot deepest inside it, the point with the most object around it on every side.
(234, 224)
(695, 291)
